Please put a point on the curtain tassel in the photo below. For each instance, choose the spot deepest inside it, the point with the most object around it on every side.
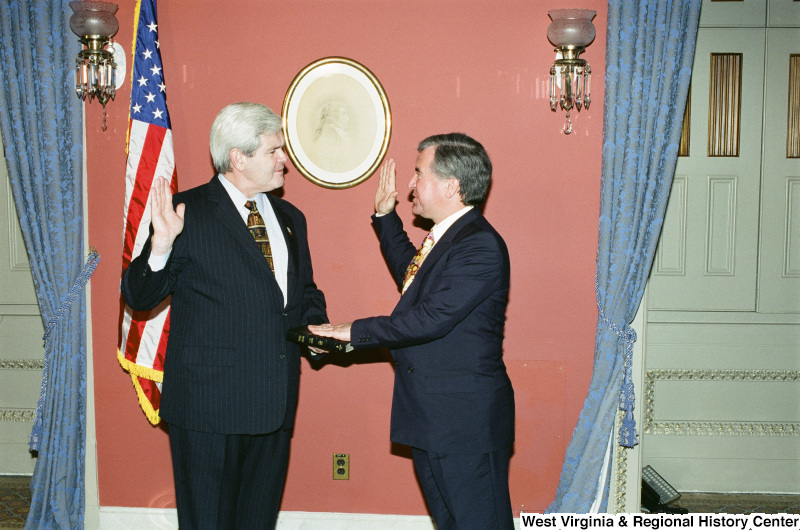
(77, 287)
(628, 436)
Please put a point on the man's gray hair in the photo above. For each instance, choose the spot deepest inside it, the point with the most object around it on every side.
(460, 157)
(240, 126)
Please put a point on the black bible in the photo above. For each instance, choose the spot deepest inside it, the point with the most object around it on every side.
(302, 336)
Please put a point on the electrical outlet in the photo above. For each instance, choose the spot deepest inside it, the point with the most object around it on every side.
(341, 466)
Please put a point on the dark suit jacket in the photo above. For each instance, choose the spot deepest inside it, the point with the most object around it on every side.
(451, 391)
(228, 366)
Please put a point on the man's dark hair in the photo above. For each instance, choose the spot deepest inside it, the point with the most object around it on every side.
(461, 157)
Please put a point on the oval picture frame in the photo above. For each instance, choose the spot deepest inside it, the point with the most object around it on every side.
(336, 122)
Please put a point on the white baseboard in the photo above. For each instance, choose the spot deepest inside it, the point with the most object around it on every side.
(119, 518)
(351, 521)
(116, 517)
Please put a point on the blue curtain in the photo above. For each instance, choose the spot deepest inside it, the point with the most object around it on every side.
(649, 53)
(41, 122)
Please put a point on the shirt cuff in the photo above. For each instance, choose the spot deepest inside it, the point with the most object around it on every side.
(156, 263)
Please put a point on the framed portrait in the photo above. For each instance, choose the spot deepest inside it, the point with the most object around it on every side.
(337, 122)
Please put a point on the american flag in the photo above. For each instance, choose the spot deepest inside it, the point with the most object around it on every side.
(143, 334)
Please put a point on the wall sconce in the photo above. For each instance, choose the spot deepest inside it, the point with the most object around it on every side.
(570, 31)
(95, 69)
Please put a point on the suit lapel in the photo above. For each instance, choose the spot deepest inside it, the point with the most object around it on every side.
(230, 218)
(439, 249)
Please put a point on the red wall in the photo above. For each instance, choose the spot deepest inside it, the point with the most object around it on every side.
(480, 67)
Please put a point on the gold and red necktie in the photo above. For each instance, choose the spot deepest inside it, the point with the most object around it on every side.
(415, 264)
(259, 231)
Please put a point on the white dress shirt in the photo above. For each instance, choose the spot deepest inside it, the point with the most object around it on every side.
(439, 229)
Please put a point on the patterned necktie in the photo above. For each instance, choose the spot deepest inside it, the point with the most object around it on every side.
(416, 263)
(256, 225)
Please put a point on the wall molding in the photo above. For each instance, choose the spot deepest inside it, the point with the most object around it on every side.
(21, 364)
(17, 415)
(711, 428)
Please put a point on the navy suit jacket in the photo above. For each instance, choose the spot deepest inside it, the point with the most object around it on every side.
(451, 391)
(228, 367)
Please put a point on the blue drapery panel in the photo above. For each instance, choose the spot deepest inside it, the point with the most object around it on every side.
(649, 53)
(40, 117)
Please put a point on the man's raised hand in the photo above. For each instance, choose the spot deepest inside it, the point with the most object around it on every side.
(167, 222)
(386, 195)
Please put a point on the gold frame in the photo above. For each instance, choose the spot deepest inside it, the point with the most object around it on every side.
(336, 122)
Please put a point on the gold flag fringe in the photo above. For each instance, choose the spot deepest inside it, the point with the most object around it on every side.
(136, 371)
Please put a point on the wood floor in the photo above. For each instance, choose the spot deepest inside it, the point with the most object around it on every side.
(741, 503)
(15, 498)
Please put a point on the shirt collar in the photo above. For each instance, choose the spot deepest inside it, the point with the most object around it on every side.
(238, 197)
(439, 229)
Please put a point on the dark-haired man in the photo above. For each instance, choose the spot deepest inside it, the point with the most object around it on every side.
(453, 401)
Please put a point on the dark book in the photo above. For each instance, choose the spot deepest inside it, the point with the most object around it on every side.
(302, 336)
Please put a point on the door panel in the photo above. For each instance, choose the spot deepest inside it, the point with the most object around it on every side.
(707, 259)
(779, 275)
(783, 13)
(733, 13)
(21, 346)
(720, 376)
